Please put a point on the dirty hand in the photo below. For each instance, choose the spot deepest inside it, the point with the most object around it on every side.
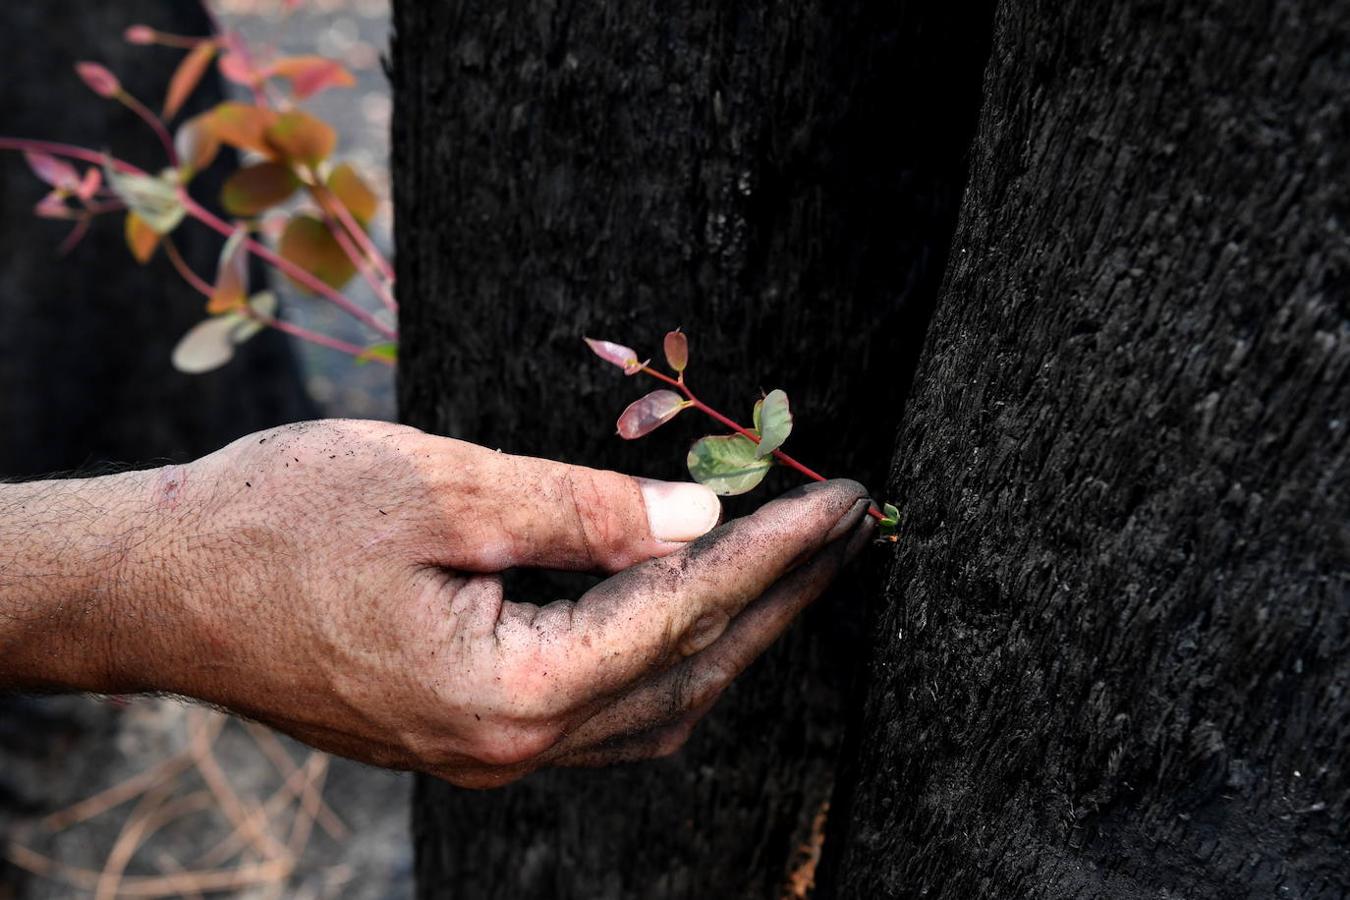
(337, 580)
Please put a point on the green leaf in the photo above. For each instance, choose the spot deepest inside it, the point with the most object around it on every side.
(197, 146)
(773, 422)
(309, 244)
(255, 189)
(889, 524)
(387, 350)
(154, 199)
(299, 136)
(354, 193)
(727, 464)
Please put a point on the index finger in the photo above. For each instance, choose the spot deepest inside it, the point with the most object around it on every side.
(656, 613)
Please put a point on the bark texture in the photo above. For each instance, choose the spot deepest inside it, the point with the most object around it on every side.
(779, 179)
(84, 354)
(1116, 651)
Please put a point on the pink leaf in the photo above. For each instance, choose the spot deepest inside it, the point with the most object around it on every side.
(310, 74)
(52, 206)
(139, 34)
(623, 357)
(186, 77)
(98, 78)
(235, 66)
(648, 413)
(56, 172)
(677, 350)
(89, 185)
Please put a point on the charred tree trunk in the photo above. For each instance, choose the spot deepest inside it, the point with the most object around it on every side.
(779, 180)
(1116, 651)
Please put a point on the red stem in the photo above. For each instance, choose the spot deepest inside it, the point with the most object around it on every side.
(180, 41)
(782, 457)
(298, 331)
(153, 121)
(204, 216)
(191, 277)
(59, 149)
(322, 340)
(201, 214)
(341, 234)
(361, 262)
(354, 228)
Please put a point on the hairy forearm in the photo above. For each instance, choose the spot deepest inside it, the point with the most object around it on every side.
(72, 585)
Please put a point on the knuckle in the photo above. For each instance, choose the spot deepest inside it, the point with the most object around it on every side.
(696, 686)
(602, 526)
(527, 690)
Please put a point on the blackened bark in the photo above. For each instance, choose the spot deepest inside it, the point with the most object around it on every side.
(779, 180)
(1115, 658)
(84, 351)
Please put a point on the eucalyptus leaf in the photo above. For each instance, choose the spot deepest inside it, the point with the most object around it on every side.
(646, 414)
(727, 464)
(386, 350)
(773, 421)
(154, 199)
(264, 306)
(208, 345)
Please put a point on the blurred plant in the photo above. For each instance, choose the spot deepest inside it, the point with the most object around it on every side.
(730, 463)
(319, 248)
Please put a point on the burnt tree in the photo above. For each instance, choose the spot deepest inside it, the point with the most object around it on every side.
(1116, 648)
(753, 175)
(1110, 653)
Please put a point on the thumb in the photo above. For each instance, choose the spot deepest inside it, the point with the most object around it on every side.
(558, 516)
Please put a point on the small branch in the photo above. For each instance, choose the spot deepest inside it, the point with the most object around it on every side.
(180, 41)
(56, 148)
(362, 264)
(201, 214)
(296, 331)
(678, 384)
(340, 233)
(191, 277)
(207, 218)
(323, 340)
(153, 121)
(354, 228)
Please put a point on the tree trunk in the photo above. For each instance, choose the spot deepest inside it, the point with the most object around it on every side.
(779, 180)
(1115, 652)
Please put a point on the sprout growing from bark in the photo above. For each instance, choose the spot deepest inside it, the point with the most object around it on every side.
(727, 463)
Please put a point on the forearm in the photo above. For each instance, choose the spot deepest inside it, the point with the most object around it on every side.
(73, 585)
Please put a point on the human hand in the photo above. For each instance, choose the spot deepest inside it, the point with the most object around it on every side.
(338, 580)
